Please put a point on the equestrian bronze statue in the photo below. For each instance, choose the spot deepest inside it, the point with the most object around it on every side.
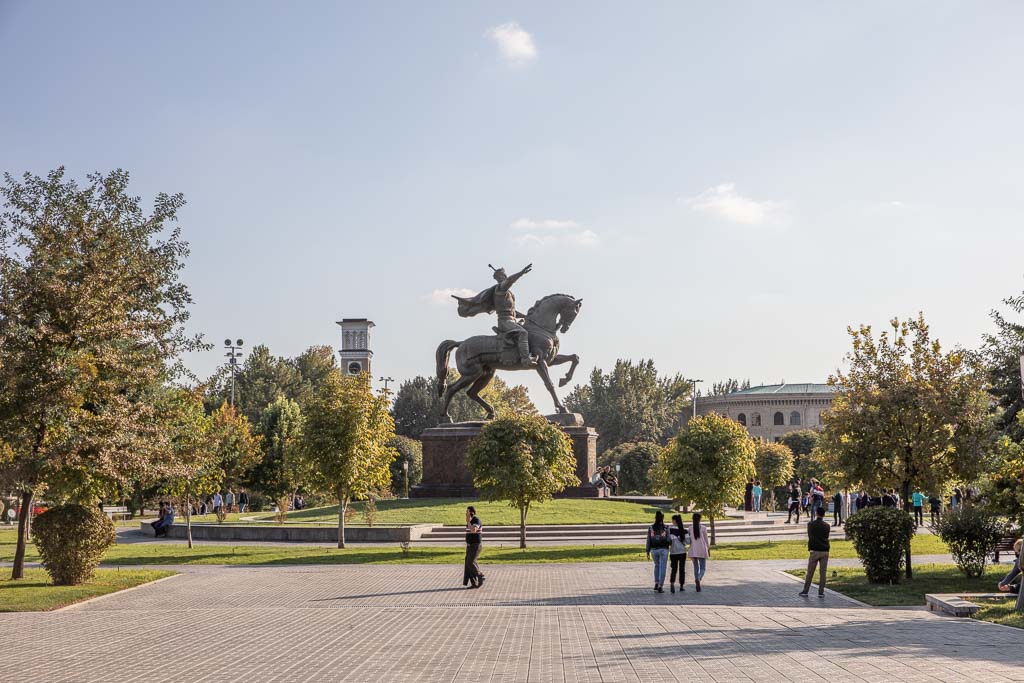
(520, 342)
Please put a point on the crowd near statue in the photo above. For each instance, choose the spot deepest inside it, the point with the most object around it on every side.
(520, 342)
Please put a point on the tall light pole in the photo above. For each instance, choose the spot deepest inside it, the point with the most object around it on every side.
(405, 468)
(387, 381)
(1020, 555)
(233, 354)
(694, 382)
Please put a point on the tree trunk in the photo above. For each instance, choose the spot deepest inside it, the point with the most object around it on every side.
(18, 572)
(522, 525)
(342, 506)
(188, 514)
(711, 519)
(905, 491)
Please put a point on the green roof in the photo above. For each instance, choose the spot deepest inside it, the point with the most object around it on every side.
(789, 389)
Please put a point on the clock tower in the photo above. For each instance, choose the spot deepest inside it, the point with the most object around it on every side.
(355, 345)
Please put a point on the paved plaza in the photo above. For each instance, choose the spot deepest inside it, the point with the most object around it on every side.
(559, 622)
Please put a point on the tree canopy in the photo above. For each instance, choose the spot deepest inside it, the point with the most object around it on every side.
(523, 459)
(280, 470)
(773, 463)
(1002, 352)
(631, 403)
(708, 464)
(636, 460)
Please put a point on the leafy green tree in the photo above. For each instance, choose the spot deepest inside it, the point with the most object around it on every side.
(345, 441)
(802, 443)
(417, 404)
(261, 379)
(1004, 487)
(907, 415)
(280, 471)
(235, 444)
(523, 459)
(313, 366)
(773, 463)
(409, 451)
(631, 403)
(708, 463)
(1002, 352)
(636, 460)
(729, 386)
(92, 315)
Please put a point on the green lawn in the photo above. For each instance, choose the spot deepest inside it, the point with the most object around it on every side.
(35, 593)
(1000, 612)
(928, 578)
(452, 511)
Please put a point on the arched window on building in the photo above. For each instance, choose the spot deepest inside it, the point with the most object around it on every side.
(742, 419)
(794, 418)
(755, 419)
(779, 419)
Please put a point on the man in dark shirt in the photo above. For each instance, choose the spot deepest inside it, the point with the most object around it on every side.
(471, 574)
(818, 545)
(936, 508)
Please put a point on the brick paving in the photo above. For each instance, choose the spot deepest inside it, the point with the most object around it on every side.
(584, 622)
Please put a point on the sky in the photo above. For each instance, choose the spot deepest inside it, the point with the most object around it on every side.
(728, 186)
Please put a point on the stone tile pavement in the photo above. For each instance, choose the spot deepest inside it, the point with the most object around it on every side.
(585, 622)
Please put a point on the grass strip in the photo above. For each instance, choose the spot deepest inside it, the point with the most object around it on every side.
(35, 592)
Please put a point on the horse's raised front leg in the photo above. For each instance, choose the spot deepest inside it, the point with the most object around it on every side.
(565, 358)
(542, 370)
(479, 385)
(460, 384)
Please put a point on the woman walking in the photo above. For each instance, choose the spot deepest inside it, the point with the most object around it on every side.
(700, 549)
(658, 543)
(679, 539)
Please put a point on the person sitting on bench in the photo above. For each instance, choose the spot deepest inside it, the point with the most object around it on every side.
(165, 521)
(1011, 582)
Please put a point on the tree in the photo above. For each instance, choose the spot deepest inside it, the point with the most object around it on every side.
(261, 379)
(708, 463)
(345, 440)
(802, 443)
(907, 415)
(409, 451)
(236, 447)
(631, 403)
(92, 316)
(1002, 352)
(280, 471)
(523, 459)
(418, 406)
(1004, 488)
(729, 386)
(635, 461)
(773, 463)
(313, 365)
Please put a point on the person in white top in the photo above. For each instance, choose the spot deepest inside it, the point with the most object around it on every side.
(680, 542)
(700, 549)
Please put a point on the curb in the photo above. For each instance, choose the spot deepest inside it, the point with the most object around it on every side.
(80, 603)
(830, 591)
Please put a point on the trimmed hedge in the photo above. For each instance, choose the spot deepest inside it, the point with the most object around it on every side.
(71, 540)
(972, 534)
(881, 536)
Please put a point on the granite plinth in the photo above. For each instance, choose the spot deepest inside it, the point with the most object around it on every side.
(446, 474)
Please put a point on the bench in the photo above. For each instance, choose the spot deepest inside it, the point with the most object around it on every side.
(958, 605)
(120, 511)
(1005, 545)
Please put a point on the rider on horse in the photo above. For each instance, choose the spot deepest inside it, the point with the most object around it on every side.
(499, 299)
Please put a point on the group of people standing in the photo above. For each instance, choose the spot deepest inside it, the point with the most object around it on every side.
(228, 502)
(674, 543)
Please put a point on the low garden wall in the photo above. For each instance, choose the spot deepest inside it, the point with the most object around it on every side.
(300, 534)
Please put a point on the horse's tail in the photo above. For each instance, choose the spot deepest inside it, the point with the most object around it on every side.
(443, 352)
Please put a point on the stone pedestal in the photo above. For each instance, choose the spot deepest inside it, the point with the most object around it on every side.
(446, 475)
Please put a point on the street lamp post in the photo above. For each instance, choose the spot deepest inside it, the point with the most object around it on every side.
(405, 468)
(1020, 555)
(387, 381)
(694, 383)
(233, 354)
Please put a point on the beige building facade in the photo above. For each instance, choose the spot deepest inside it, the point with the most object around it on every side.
(769, 412)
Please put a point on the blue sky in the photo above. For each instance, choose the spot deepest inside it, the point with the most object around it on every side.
(726, 185)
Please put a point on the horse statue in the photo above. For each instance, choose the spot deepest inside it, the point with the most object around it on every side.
(478, 358)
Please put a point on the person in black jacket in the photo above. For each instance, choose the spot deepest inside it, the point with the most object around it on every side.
(818, 547)
(471, 573)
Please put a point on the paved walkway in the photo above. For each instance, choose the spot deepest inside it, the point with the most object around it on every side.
(584, 622)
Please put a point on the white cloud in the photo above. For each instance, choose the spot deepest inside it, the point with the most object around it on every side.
(548, 232)
(726, 203)
(545, 224)
(515, 45)
(444, 296)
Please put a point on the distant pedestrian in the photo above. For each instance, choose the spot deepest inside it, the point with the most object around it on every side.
(243, 501)
(748, 496)
(918, 501)
(805, 503)
(229, 501)
(958, 498)
(817, 496)
(700, 549)
(680, 543)
(218, 503)
(935, 507)
(794, 503)
(471, 574)
(837, 508)
(658, 544)
(888, 499)
(756, 492)
(818, 546)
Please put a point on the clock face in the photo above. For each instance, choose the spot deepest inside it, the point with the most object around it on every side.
(354, 368)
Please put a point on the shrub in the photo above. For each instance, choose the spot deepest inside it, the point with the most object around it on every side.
(370, 510)
(71, 540)
(972, 534)
(636, 461)
(881, 536)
